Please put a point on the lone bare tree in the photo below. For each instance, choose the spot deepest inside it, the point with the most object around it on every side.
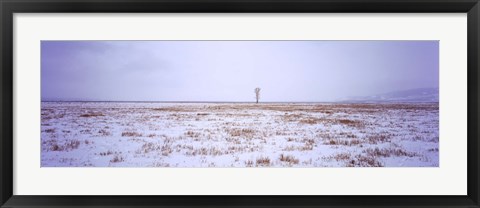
(257, 93)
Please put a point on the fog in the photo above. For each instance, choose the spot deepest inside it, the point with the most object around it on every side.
(286, 71)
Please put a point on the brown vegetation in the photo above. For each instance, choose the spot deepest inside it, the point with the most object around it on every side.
(263, 161)
(91, 114)
(359, 135)
(289, 159)
(131, 134)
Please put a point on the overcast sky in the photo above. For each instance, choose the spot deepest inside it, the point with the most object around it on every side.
(230, 70)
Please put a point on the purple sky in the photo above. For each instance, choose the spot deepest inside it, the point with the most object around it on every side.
(230, 70)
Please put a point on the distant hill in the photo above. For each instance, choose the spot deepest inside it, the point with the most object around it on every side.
(412, 95)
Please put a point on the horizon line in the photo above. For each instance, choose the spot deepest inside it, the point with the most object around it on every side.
(345, 101)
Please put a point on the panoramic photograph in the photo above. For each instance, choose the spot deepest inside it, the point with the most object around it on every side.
(239, 104)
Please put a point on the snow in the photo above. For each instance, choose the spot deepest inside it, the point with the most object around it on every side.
(121, 134)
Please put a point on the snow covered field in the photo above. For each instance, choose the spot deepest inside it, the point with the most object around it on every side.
(105, 134)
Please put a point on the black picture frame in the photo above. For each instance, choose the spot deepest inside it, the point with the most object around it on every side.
(9, 7)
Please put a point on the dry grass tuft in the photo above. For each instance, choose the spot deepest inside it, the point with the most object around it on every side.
(131, 134)
(290, 148)
(263, 161)
(306, 147)
(379, 138)
(433, 150)
(291, 117)
(364, 161)
(342, 157)
(172, 109)
(388, 152)
(289, 159)
(166, 149)
(213, 151)
(49, 130)
(247, 133)
(343, 142)
(249, 163)
(104, 132)
(116, 159)
(309, 121)
(351, 123)
(106, 153)
(91, 114)
(192, 134)
(148, 147)
(67, 146)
